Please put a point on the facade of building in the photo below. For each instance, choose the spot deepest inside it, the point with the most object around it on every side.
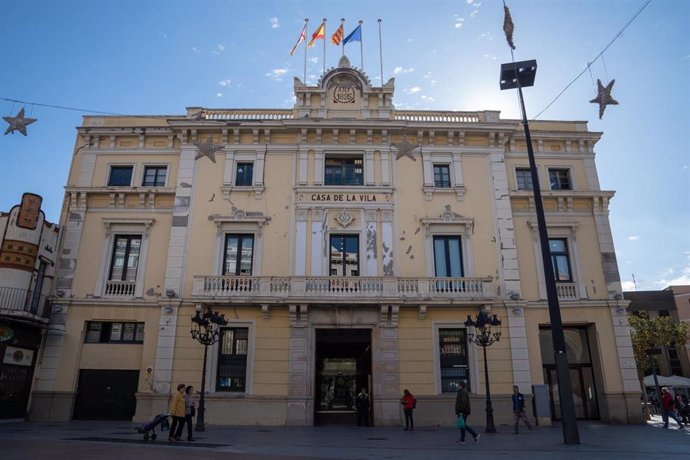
(667, 302)
(28, 249)
(345, 242)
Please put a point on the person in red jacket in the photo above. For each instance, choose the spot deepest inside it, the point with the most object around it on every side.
(668, 408)
(408, 402)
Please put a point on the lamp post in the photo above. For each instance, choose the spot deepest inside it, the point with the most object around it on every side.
(650, 353)
(519, 75)
(206, 330)
(487, 331)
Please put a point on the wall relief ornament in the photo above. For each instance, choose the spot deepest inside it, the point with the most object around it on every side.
(344, 218)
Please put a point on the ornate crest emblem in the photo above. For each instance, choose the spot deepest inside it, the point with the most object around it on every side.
(344, 91)
(344, 218)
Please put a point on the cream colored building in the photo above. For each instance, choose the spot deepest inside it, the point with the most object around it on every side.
(346, 242)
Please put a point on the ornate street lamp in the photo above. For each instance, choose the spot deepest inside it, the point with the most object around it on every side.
(487, 330)
(521, 75)
(207, 333)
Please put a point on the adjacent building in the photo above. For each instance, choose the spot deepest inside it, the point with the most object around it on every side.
(28, 249)
(346, 242)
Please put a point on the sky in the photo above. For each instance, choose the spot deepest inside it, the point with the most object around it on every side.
(153, 57)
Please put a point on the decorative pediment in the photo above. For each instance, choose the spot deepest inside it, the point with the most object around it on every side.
(241, 216)
(446, 218)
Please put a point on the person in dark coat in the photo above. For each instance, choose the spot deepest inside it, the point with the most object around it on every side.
(462, 407)
(519, 410)
(668, 408)
(362, 404)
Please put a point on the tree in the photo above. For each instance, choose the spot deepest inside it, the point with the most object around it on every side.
(647, 333)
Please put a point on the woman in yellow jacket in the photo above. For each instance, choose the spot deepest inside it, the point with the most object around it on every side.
(178, 413)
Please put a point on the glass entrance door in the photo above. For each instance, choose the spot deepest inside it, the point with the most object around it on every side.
(584, 395)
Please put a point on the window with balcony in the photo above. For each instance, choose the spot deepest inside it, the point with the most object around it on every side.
(154, 176)
(560, 179)
(344, 255)
(454, 365)
(560, 259)
(448, 256)
(244, 174)
(232, 359)
(239, 255)
(114, 332)
(120, 176)
(523, 178)
(442, 176)
(124, 263)
(344, 171)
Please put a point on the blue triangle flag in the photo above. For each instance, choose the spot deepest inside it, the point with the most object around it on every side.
(355, 35)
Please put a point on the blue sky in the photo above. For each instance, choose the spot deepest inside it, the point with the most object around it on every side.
(160, 56)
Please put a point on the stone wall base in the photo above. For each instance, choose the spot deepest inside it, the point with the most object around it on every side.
(51, 406)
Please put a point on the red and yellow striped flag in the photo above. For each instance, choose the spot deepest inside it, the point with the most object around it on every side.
(338, 35)
(318, 35)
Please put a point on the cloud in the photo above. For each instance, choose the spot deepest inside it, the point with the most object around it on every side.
(219, 49)
(277, 74)
(399, 69)
(274, 23)
(428, 99)
(474, 13)
(196, 50)
(165, 36)
(490, 56)
(633, 238)
(458, 21)
(628, 285)
(486, 35)
(225, 82)
(413, 90)
(682, 279)
(313, 60)
(219, 94)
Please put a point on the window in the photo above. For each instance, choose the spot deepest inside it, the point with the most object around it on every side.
(442, 176)
(114, 332)
(344, 255)
(232, 359)
(448, 257)
(125, 260)
(560, 179)
(243, 176)
(560, 259)
(523, 177)
(239, 255)
(674, 361)
(344, 171)
(452, 346)
(154, 176)
(120, 176)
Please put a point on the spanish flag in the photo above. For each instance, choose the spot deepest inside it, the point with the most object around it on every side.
(338, 35)
(318, 35)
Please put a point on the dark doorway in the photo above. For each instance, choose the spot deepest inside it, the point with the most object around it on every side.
(106, 395)
(19, 346)
(343, 367)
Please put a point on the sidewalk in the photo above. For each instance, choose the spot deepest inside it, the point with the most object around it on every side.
(117, 440)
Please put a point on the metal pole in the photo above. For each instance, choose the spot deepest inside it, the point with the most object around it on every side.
(656, 381)
(381, 52)
(490, 427)
(571, 434)
(200, 416)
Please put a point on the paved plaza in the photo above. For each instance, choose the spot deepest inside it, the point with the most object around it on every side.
(118, 440)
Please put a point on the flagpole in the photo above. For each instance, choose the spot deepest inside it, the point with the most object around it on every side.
(380, 52)
(342, 45)
(306, 31)
(361, 46)
(324, 46)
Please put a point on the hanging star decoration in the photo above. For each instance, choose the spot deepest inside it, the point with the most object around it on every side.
(508, 26)
(18, 123)
(405, 149)
(207, 149)
(604, 96)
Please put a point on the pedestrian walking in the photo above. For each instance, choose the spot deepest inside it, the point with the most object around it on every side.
(189, 411)
(362, 404)
(409, 403)
(178, 414)
(681, 408)
(462, 408)
(668, 408)
(519, 410)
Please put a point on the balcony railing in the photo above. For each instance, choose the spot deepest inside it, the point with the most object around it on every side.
(331, 287)
(119, 288)
(566, 291)
(24, 303)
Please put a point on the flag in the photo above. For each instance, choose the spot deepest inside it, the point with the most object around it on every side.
(355, 35)
(508, 26)
(338, 35)
(302, 37)
(318, 35)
